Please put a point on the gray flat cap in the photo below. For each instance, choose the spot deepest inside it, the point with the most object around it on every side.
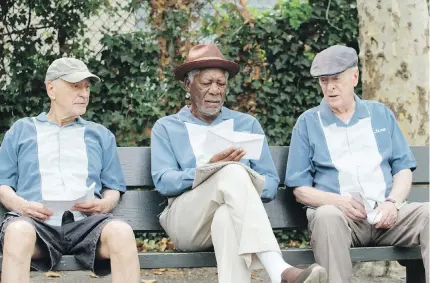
(334, 60)
(69, 69)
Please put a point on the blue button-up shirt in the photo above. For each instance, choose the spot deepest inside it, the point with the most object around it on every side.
(360, 156)
(173, 161)
(37, 154)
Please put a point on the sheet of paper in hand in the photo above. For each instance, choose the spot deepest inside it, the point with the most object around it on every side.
(373, 216)
(205, 171)
(58, 203)
(218, 140)
(197, 135)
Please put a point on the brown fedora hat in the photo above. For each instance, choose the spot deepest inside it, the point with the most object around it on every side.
(205, 56)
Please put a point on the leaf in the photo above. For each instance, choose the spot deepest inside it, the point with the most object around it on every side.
(160, 271)
(92, 275)
(52, 274)
(255, 277)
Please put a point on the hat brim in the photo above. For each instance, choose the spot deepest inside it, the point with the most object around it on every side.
(79, 76)
(231, 67)
(327, 74)
(330, 72)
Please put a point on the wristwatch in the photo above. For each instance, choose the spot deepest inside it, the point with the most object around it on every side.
(393, 201)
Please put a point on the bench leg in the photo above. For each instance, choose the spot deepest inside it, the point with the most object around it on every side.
(415, 272)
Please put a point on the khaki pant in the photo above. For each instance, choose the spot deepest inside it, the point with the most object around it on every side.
(225, 212)
(333, 234)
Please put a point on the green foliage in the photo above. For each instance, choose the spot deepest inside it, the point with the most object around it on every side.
(274, 48)
(33, 34)
(276, 53)
(292, 238)
(132, 96)
(160, 242)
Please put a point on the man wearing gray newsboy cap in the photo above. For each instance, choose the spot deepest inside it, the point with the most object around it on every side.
(50, 160)
(334, 60)
(350, 164)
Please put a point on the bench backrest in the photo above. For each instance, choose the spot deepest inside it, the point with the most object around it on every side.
(140, 208)
(136, 163)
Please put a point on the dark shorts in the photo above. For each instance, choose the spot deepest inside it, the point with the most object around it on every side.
(79, 239)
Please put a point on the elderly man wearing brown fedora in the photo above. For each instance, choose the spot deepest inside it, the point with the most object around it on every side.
(225, 211)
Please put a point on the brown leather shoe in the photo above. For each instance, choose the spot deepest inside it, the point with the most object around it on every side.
(312, 274)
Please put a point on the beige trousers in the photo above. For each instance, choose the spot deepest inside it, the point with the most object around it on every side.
(332, 234)
(225, 212)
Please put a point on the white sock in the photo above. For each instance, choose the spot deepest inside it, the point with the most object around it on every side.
(274, 265)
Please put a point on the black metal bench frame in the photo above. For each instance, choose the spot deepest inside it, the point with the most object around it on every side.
(140, 208)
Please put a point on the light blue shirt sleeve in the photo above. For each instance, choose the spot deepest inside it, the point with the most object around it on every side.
(112, 176)
(265, 167)
(402, 157)
(299, 166)
(9, 158)
(169, 179)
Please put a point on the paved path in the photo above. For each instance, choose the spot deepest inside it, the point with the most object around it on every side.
(208, 275)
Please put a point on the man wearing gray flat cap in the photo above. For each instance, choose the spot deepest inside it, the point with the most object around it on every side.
(351, 167)
(47, 162)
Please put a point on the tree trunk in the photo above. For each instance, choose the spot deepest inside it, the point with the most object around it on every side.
(394, 54)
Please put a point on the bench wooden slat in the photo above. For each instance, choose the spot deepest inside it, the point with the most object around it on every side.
(292, 256)
(421, 174)
(141, 209)
(136, 163)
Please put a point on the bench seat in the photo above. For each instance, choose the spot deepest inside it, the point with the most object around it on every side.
(141, 205)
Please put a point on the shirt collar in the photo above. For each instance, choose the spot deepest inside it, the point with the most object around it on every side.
(43, 118)
(328, 117)
(185, 115)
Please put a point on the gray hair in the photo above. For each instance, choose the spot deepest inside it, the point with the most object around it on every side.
(193, 73)
(354, 68)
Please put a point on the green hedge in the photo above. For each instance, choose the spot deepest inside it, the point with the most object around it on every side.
(274, 48)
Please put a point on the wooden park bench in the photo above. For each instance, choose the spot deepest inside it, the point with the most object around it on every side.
(140, 208)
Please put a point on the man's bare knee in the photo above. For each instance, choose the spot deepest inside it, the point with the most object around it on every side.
(20, 236)
(20, 231)
(116, 237)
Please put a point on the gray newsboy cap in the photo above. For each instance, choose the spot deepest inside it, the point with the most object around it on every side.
(69, 69)
(333, 60)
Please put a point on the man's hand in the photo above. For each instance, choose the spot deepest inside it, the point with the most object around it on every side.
(231, 154)
(96, 206)
(389, 215)
(352, 208)
(35, 210)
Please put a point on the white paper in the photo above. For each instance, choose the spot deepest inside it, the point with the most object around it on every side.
(197, 135)
(59, 204)
(205, 171)
(206, 141)
(219, 140)
(373, 215)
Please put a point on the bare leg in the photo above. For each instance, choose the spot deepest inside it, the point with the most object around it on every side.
(118, 244)
(18, 249)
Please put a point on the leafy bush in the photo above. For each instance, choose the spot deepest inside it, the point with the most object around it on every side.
(274, 49)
